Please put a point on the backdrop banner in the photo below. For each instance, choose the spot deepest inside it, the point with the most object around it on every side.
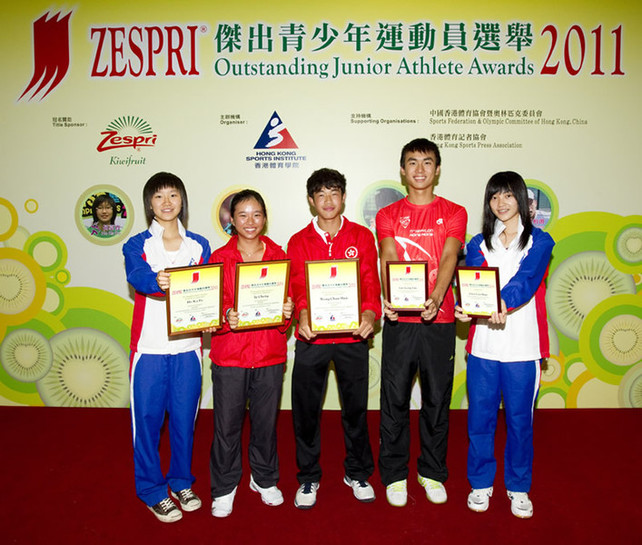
(96, 98)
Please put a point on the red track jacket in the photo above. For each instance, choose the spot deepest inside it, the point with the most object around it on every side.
(352, 241)
(253, 347)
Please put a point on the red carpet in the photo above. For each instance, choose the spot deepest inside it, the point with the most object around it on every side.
(67, 477)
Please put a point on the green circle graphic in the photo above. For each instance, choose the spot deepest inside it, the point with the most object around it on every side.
(611, 337)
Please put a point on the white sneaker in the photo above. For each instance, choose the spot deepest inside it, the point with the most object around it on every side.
(222, 506)
(435, 491)
(362, 490)
(270, 495)
(520, 504)
(306, 496)
(479, 499)
(397, 493)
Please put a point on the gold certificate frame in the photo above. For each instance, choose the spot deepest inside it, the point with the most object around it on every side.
(260, 291)
(194, 298)
(334, 295)
(478, 290)
(407, 283)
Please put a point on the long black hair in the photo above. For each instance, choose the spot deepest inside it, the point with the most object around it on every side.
(507, 182)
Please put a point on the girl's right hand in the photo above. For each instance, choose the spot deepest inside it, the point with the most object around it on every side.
(162, 278)
(232, 318)
(461, 315)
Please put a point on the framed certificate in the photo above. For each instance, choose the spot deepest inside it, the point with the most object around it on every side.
(194, 298)
(261, 289)
(407, 283)
(478, 290)
(334, 295)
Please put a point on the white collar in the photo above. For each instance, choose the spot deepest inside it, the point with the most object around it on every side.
(157, 229)
(500, 228)
(321, 232)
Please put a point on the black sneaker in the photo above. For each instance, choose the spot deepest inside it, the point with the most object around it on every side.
(166, 511)
(188, 500)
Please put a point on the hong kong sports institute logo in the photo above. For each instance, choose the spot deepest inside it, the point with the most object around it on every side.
(127, 132)
(275, 148)
(275, 135)
(50, 55)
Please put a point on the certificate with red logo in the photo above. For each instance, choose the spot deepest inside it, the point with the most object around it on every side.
(194, 298)
(407, 283)
(261, 289)
(334, 296)
(478, 290)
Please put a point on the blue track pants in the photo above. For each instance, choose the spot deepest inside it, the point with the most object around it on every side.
(518, 383)
(163, 383)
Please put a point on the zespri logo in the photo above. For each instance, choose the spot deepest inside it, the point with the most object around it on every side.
(127, 132)
(143, 51)
(50, 54)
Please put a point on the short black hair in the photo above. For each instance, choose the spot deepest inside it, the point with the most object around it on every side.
(326, 178)
(100, 199)
(163, 180)
(420, 144)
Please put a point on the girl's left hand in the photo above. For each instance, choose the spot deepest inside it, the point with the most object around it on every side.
(288, 308)
(499, 317)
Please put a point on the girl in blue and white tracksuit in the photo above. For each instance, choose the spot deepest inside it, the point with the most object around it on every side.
(506, 350)
(166, 373)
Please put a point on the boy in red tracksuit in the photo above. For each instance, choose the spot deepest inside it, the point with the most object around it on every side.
(332, 236)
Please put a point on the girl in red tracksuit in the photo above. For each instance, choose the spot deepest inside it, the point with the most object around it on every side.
(247, 365)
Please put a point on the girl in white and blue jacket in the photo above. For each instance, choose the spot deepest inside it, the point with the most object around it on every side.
(505, 351)
(166, 373)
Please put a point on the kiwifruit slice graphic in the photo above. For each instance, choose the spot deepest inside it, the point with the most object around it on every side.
(578, 284)
(17, 287)
(26, 355)
(620, 340)
(90, 369)
(630, 390)
(629, 245)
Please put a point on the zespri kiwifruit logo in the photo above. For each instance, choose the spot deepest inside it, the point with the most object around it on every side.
(127, 132)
